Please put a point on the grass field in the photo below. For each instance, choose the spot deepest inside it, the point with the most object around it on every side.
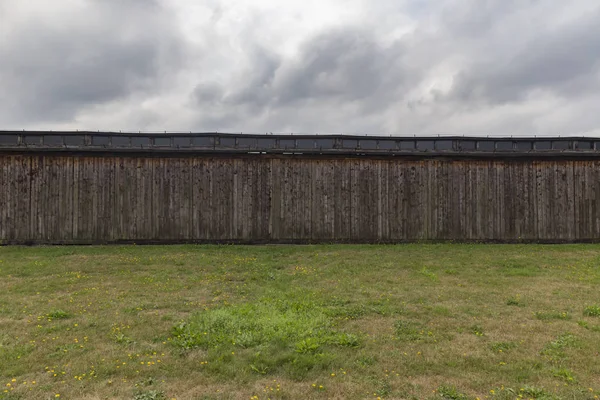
(291, 322)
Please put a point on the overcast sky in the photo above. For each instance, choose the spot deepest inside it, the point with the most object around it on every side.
(511, 67)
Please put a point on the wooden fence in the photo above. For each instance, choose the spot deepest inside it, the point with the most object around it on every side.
(58, 198)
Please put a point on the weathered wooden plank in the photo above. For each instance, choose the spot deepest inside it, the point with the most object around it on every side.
(188, 193)
(286, 225)
(83, 198)
(440, 199)
(25, 198)
(557, 200)
(91, 216)
(530, 208)
(13, 192)
(430, 199)
(223, 201)
(75, 197)
(594, 181)
(161, 200)
(206, 195)
(156, 197)
(317, 201)
(470, 206)
(104, 196)
(570, 233)
(250, 200)
(4, 204)
(443, 198)
(182, 199)
(523, 215)
(330, 199)
(480, 193)
(404, 204)
(368, 190)
(34, 198)
(579, 201)
(394, 202)
(341, 202)
(398, 201)
(413, 203)
(294, 212)
(544, 195)
(134, 193)
(383, 233)
(111, 191)
(562, 201)
(168, 222)
(513, 200)
(421, 195)
(144, 182)
(539, 200)
(197, 177)
(9, 198)
(275, 179)
(583, 191)
(499, 234)
(57, 175)
(128, 212)
(462, 200)
(177, 203)
(550, 207)
(5, 194)
(497, 200)
(6, 198)
(48, 203)
(247, 200)
(265, 192)
(323, 207)
(239, 209)
(514, 190)
(260, 190)
(589, 198)
(65, 171)
(175, 199)
(54, 199)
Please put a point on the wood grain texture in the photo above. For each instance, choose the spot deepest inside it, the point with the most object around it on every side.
(81, 199)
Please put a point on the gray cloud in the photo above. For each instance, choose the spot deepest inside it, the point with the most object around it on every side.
(258, 79)
(561, 60)
(402, 67)
(472, 18)
(345, 64)
(97, 54)
(335, 67)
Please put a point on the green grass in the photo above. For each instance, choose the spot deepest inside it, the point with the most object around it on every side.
(286, 322)
(550, 315)
(451, 393)
(592, 311)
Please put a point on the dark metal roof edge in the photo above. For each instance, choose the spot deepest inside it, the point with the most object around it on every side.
(308, 153)
(297, 136)
(234, 143)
